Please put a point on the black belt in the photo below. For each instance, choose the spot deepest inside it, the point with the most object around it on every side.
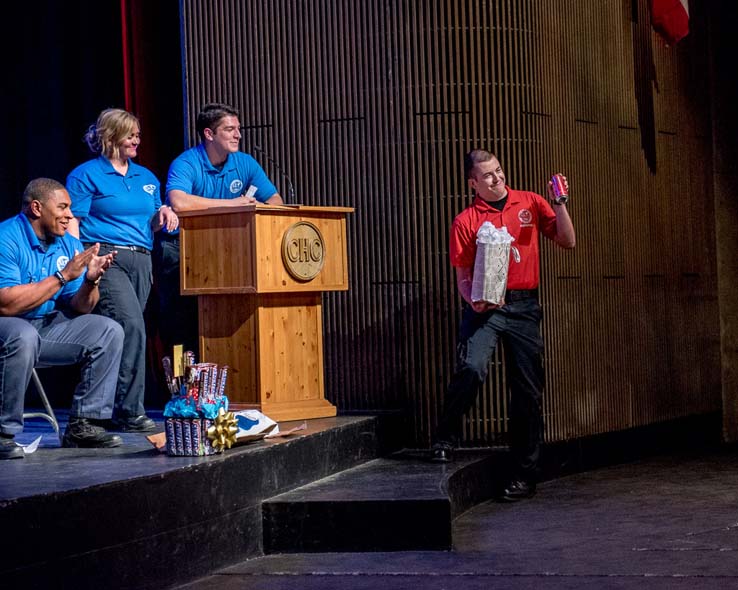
(512, 295)
(139, 249)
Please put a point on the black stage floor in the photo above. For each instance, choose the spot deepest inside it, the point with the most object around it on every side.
(332, 511)
(52, 469)
(669, 522)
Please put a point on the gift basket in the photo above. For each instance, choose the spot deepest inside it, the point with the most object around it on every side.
(197, 420)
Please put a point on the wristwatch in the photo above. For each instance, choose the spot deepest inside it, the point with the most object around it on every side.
(94, 283)
(58, 274)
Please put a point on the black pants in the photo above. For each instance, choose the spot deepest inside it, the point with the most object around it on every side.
(517, 324)
(177, 313)
(124, 291)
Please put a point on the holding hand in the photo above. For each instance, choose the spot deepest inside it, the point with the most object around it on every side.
(483, 306)
(558, 189)
(245, 200)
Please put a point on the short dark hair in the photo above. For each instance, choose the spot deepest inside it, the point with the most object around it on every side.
(473, 158)
(40, 189)
(210, 114)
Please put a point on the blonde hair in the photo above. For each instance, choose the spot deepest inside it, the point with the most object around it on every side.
(112, 127)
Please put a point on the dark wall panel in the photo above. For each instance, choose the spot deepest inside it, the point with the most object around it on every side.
(373, 104)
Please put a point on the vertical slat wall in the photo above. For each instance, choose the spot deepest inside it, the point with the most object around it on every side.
(373, 104)
(631, 327)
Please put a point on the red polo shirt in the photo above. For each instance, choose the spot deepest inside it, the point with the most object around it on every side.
(525, 215)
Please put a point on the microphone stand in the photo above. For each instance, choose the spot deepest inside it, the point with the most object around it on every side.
(290, 186)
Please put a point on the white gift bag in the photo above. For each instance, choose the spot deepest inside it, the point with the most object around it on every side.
(491, 264)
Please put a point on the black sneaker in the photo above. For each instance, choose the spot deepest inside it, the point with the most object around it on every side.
(442, 453)
(84, 434)
(140, 423)
(518, 490)
(9, 449)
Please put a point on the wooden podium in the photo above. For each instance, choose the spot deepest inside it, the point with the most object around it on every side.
(258, 272)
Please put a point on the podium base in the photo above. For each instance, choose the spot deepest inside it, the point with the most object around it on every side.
(293, 410)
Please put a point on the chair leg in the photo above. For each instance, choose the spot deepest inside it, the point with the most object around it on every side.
(49, 415)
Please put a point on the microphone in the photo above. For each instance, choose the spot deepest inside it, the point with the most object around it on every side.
(290, 186)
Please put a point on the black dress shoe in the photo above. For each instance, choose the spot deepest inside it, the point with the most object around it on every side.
(518, 490)
(9, 449)
(442, 454)
(140, 423)
(82, 433)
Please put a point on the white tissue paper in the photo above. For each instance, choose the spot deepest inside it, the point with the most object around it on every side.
(491, 264)
(253, 425)
(32, 446)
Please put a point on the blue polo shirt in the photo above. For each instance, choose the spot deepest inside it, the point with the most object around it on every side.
(193, 173)
(113, 208)
(23, 260)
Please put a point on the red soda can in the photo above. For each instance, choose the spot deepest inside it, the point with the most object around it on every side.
(561, 195)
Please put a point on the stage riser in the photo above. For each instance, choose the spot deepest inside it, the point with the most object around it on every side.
(383, 505)
(370, 526)
(142, 564)
(158, 530)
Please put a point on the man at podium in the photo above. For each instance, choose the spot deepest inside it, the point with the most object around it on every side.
(212, 174)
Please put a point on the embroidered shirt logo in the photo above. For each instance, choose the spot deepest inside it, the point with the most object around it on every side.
(525, 216)
(61, 262)
(236, 187)
(150, 188)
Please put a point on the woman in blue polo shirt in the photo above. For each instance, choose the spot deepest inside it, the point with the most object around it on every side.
(117, 203)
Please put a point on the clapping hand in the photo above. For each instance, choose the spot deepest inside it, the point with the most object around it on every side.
(89, 260)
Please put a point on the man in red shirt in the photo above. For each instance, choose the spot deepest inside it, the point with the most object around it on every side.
(516, 322)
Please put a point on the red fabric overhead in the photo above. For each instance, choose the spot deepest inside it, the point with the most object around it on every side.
(670, 19)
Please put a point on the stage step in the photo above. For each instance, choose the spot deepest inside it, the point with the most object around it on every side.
(398, 503)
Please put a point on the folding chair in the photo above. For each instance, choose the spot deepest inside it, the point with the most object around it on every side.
(49, 414)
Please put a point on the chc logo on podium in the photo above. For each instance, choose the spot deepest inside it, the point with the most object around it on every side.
(303, 251)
